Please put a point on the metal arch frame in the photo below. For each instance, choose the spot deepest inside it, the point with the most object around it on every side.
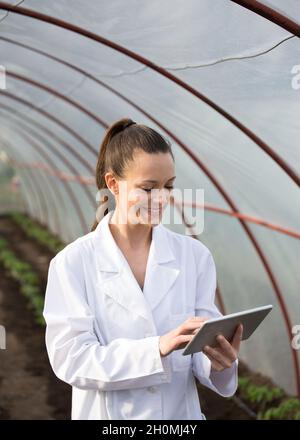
(245, 226)
(218, 292)
(78, 209)
(35, 188)
(55, 93)
(49, 116)
(25, 196)
(89, 181)
(57, 227)
(270, 14)
(68, 189)
(118, 94)
(34, 209)
(97, 81)
(58, 194)
(81, 31)
(145, 113)
(250, 134)
(130, 102)
(53, 135)
(251, 219)
(57, 153)
(50, 133)
(52, 118)
(248, 218)
(58, 221)
(55, 196)
(69, 101)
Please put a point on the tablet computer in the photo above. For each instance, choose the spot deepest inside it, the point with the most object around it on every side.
(226, 325)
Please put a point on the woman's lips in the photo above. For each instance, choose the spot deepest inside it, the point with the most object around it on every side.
(152, 211)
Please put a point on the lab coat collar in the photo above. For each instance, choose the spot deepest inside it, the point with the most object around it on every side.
(117, 277)
(114, 261)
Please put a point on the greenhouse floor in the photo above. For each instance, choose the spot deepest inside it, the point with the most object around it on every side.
(29, 388)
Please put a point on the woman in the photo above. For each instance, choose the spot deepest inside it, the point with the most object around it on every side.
(124, 300)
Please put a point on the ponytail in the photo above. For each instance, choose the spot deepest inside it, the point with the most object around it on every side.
(102, 162)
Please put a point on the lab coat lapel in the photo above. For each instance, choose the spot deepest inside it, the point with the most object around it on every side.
(117, 279)
(162, 269)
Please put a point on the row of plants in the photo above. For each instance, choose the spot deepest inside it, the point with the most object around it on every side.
(37, 232)
(27, 278)
(22, 271)
(269, 402)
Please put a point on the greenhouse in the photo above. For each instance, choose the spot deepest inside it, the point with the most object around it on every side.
(221, 81)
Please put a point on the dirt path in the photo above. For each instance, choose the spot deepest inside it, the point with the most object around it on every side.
(28, 387)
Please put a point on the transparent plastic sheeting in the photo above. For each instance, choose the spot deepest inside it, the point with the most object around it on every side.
(63, 89)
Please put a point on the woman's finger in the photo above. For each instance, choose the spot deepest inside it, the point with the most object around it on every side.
(236, 340)
(189, 325)
(227, 348)
(215, 354)
(215, 364)
(181, 341)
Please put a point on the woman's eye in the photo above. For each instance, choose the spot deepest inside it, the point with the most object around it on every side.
(149, 189)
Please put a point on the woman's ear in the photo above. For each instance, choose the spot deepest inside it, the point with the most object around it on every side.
(111, 183)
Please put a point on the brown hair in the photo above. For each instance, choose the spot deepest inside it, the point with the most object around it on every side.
(121, 139)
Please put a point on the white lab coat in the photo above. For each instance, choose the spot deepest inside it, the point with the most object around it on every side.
(102, 330)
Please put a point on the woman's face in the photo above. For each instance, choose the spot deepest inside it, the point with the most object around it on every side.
(146, 189)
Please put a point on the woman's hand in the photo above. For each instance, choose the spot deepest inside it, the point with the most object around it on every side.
(180, 336)
(225, 353)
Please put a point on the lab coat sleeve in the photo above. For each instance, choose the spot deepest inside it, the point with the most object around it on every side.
(76, 354)
(225, 382)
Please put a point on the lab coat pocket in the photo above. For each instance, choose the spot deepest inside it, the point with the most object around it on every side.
(179, 362)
